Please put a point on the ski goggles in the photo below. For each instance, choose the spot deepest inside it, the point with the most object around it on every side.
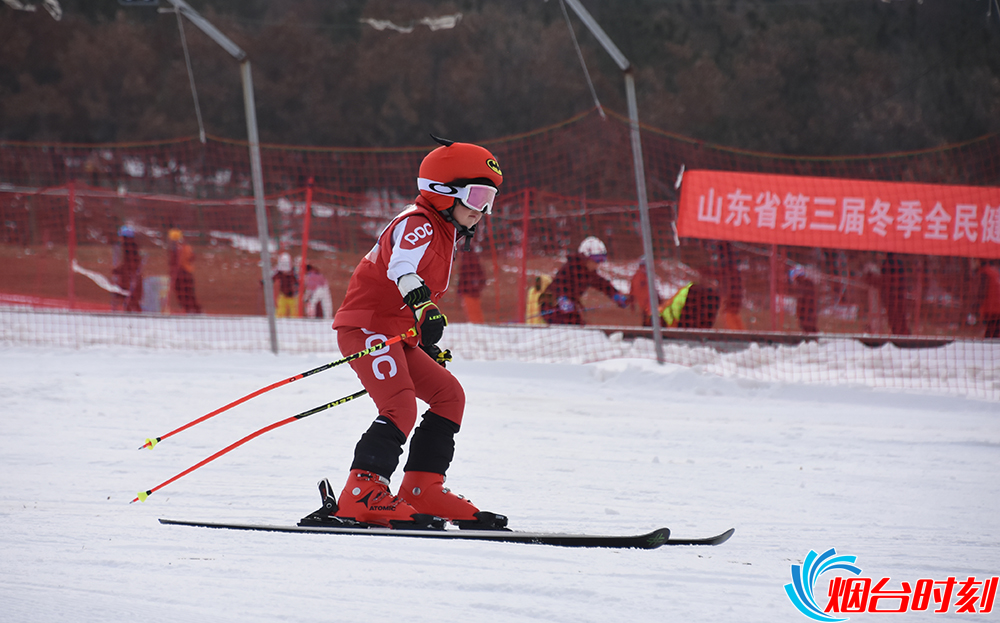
(478, 197)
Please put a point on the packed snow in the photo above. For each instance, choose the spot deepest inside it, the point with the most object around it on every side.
(905, 481)
(963, 367)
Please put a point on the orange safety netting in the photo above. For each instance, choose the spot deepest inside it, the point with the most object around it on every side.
(562, 183)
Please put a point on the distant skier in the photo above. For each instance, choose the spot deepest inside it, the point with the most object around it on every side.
(694, 306)
(561, 301)
(128, 273)
(318, 299)
(180, 259)
(803, 288)
(287, 282)
(986, 285)
(639, 291)
(533, 306)
(894, 284)
(395, 287)
(471, 282)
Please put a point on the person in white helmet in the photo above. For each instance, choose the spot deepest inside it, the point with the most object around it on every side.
(560, 304)
(287, 284)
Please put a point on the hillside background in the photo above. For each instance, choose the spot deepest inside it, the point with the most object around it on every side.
(818, 77)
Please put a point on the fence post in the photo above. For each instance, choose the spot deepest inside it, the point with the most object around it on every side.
(522, 297)
(921, 272)
(71, 244)
(775, 303)
(260, 208)
(305, 245)
(497, 272)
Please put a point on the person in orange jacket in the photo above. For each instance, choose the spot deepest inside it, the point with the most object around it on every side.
(471, 282)
(731, 283)
(181, 261)
(987, 296)
(639, 290)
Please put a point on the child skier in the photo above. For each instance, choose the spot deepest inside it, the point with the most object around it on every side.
(394, 288)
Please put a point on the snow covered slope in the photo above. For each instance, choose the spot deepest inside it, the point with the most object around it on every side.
(905, 482)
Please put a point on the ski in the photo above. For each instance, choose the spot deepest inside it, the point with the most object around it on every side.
(649, 540)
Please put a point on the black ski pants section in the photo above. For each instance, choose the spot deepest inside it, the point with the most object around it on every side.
(379, 449)
(432, 446)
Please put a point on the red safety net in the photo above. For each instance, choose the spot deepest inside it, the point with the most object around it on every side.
(62, 207)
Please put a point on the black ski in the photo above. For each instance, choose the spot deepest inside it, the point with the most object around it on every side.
(718, 539)
(650, 540)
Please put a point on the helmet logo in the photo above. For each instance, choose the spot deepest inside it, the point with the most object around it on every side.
(492, 164)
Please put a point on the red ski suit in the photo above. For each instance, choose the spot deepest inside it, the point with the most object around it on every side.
(420, 241)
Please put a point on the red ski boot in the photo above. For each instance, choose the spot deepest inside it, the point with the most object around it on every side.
(425, 491)
(366, 499)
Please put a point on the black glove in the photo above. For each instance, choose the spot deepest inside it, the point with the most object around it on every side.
(430, 321)
(442, 357)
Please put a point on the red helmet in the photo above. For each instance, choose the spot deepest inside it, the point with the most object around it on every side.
(458, 164)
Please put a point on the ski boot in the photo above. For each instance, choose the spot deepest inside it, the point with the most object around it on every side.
(425, 492)
(366, 502)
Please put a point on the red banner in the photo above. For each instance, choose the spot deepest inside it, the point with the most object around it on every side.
(924, 219)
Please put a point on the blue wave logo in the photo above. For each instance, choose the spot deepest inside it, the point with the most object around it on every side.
(804, 577)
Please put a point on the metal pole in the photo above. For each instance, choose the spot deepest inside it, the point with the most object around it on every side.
(598, 32)
(522, 297)
(640, 173)
(647, 230)
(194, 89)
(206, 27)
(71, 244)
(306, 220)
(256, 170)
(258, 200)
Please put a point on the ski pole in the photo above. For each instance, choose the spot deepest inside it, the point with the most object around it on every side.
(151, 442)
(145, 494)
(552, 311)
